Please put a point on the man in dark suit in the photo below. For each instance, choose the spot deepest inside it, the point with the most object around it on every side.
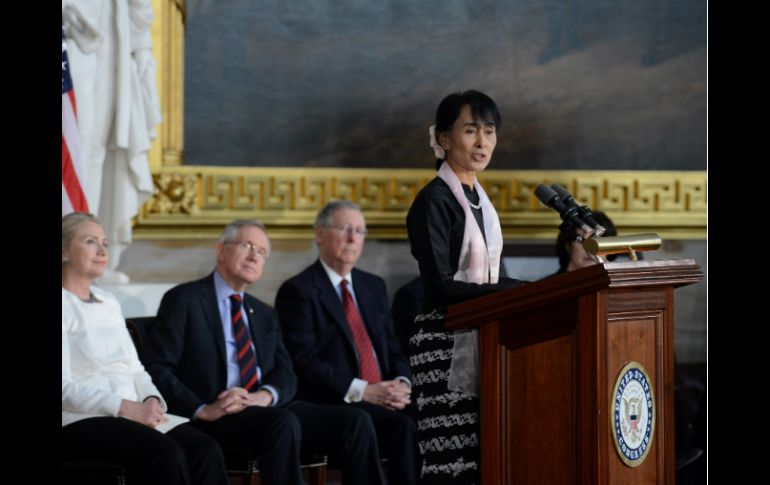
(338, 331)
(217, 356)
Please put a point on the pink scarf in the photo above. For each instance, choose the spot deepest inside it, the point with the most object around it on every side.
(479, 263)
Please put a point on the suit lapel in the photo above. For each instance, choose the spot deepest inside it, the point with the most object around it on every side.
(213, 319)
(329, 299)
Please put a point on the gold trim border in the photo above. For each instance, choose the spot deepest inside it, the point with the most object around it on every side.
(195, 202)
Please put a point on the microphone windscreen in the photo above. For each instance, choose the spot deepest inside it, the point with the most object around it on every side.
(545, 194)
(561, 191)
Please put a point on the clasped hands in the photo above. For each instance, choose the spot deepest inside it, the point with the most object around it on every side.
(393, 394)
(149, 413)
(234, 400)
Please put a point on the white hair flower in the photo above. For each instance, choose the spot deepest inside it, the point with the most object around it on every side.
(437, 149)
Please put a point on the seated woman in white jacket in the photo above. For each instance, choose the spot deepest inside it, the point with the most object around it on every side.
(110, 407)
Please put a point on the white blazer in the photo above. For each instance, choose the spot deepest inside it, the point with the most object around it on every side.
(99, 364)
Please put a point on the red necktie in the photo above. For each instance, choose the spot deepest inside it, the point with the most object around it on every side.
(367, 362)
(247, 360)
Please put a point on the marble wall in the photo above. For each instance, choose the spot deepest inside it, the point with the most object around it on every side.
(172, 262)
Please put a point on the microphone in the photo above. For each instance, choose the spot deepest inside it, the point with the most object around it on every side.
(551, 198)
(584, 212)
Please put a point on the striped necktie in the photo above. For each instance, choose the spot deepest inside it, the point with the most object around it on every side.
(247, 359)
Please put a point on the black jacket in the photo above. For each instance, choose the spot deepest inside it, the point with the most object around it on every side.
(185, 352)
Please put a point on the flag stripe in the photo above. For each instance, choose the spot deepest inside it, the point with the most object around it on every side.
(70, 182)
(72, 172)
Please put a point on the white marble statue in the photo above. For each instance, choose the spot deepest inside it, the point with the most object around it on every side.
(113, 73)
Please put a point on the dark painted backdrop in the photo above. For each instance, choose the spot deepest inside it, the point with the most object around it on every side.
(582, 84)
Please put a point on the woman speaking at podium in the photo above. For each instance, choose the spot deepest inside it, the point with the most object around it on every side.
(456, 238)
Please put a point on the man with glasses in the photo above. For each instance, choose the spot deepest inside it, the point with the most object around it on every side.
(338, 330)
(217, 356)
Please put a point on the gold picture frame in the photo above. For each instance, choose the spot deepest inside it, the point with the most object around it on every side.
(194, 202)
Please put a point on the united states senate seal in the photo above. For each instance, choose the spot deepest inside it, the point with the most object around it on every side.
(633, 414)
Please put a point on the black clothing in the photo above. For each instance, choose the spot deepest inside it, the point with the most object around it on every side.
(148, 456)
(448, 421)
(436, 225)
(186, 357)
(406, 306)
(317, 335)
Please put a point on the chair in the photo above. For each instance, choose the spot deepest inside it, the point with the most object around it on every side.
(334, 468)
(92, 473)
(240, 463)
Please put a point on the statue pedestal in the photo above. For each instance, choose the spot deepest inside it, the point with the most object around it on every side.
(138, 299)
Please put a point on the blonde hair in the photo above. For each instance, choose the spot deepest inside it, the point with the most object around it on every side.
(70, 222)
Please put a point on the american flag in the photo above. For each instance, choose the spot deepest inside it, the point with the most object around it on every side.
(73, 196)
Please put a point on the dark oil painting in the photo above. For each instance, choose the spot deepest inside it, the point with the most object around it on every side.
(581, 84)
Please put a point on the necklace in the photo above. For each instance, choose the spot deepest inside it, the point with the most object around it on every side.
(474, 206)
(91, 299)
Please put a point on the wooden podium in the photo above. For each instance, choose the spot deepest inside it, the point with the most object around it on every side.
(550, 354)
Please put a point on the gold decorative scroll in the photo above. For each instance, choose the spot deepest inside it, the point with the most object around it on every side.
(196, 201)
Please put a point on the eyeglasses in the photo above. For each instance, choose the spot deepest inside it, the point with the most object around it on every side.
(247, 248)
(347, 230)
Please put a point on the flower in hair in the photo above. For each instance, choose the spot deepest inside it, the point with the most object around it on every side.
(437, 149)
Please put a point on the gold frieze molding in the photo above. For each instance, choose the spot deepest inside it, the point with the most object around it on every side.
(194, 202)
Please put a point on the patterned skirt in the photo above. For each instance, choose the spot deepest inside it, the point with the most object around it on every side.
(447, 421)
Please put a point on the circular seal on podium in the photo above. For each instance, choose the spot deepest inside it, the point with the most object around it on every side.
(633, 414)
